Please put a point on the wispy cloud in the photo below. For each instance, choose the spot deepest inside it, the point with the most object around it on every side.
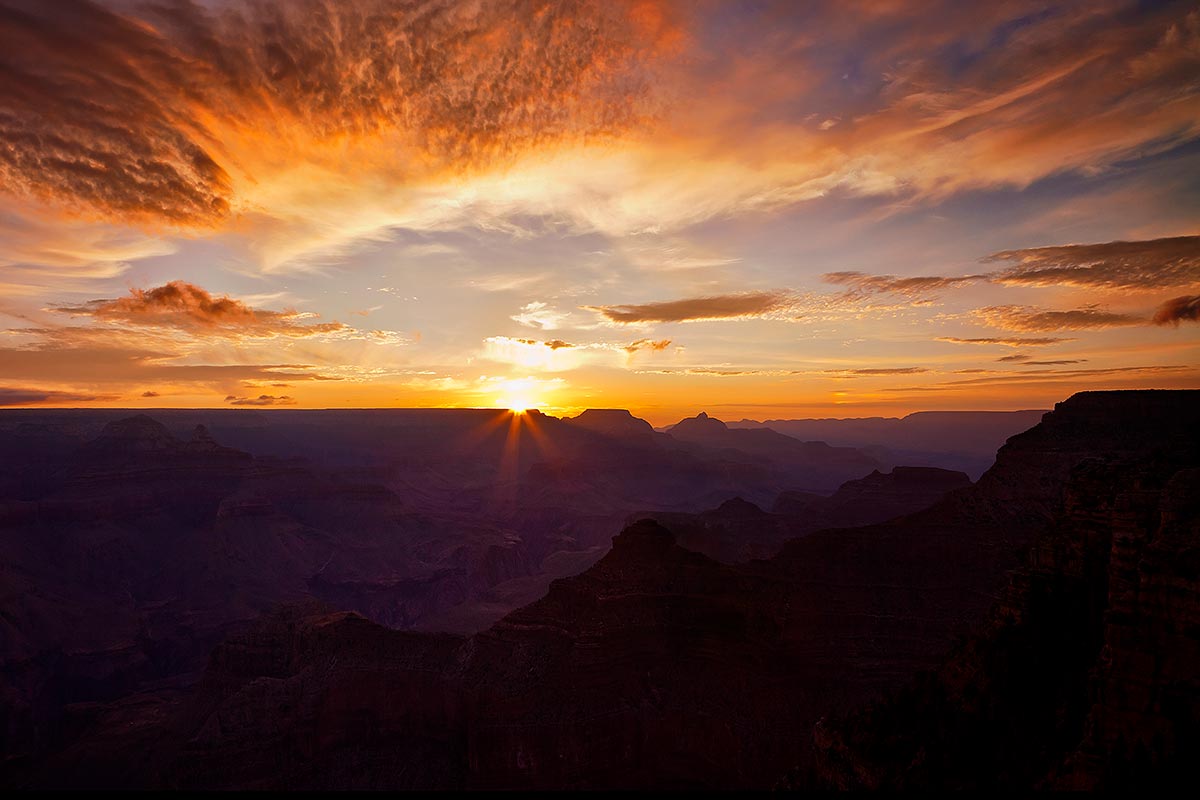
(1151, 264)
(1008, 341)
(916, 287)
(1109, 266)
(1027, 318)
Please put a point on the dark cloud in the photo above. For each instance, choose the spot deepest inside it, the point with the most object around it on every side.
(183, 305)
(150, 394)
(1009, 341)
(917, 288)
(114, 112)
(1057, 363)
(1021, 358)
(1150, 264)
(1025, 318)
(728, 306)
(648, 344)
(10, 396)
(261, 400)
(1178, 309)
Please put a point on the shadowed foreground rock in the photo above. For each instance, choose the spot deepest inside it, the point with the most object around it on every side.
(1087, 672)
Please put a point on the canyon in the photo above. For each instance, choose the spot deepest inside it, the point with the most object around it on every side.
(907, 629)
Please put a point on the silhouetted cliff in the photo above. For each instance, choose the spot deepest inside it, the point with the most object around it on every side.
(1087, 671)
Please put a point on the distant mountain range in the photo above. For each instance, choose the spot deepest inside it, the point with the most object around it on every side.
(959, 440)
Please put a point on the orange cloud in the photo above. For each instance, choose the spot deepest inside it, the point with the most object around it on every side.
(1026, 318)
(184, 306)
(155, 116)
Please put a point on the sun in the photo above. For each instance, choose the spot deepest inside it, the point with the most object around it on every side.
(519, 396)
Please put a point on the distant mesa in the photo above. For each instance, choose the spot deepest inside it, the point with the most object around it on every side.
(143, 435)
(612, 422)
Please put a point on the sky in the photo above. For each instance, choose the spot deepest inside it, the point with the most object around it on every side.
(758, 209)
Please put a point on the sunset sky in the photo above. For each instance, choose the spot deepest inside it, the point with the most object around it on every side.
(758, 209)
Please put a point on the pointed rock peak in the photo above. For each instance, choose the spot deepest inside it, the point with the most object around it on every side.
(702, 422)
(643, 536)
(202, 441)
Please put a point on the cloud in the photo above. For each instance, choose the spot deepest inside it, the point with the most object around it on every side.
(647, 344)
(183, 307)
(916, 287)
(1178, 309)
(1063, 375)
(150, 394)
(188, 307)
(1059, 362)
(729, 306)
(738, 372)
(1021, 358)
(261, 400)
(10, 396)
(1029, 319)
(157, 115)
(1150, 264)
(880, 371)
(1009, 341)
(539, 315)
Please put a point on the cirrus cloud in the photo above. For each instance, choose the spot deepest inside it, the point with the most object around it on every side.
(1150, 264)
(1027, 318)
